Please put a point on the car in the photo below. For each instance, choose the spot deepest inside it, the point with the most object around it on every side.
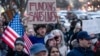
(95, 17)
(92, 15)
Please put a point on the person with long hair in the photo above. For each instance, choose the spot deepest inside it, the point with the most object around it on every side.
(60, 43)
(53, 51)
(49, 41)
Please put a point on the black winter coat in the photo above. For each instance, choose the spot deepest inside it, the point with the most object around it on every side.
(15, 53)
(79, 51)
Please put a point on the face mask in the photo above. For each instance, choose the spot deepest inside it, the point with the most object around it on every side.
(94, 40)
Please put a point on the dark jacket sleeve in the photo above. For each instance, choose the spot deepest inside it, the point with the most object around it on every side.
(25, 55)
(10, 53)
(71, 54)
(74, 52)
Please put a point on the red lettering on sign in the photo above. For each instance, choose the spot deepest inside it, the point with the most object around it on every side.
(41, 12)
(50, 16)
(32, 4)
(42, 6)
(50, 6)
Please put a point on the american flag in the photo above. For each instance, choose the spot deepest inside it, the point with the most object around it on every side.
(14, 30)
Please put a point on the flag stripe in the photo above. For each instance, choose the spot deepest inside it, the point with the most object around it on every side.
(28, 42)
(13, 32)
(11, 36)
(26, 48)
(8, 36)
(7, 40)
(8, 43)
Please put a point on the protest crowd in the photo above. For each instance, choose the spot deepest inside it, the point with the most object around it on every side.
(53, 39)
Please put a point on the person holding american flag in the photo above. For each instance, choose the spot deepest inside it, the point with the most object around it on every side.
(14, 30)
(19, 46)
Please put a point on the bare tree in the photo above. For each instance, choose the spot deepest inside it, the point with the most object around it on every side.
(62, 3)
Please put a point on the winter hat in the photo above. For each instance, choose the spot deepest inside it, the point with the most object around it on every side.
(38, 47)
(83, 35)
(19, 41)
(57, 32)
(49, 36)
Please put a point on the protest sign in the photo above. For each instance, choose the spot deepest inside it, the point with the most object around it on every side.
(90, 26)
(42, 11)
(98, 22)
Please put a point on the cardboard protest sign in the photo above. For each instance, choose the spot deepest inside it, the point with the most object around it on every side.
(90, 26)
(42, 11)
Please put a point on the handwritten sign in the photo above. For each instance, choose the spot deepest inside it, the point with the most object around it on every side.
(42, 11)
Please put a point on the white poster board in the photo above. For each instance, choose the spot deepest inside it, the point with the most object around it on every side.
(90, 26)
(42, 11)
(98, 23)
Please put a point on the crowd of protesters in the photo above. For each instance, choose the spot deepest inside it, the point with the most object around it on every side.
(54, 40)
